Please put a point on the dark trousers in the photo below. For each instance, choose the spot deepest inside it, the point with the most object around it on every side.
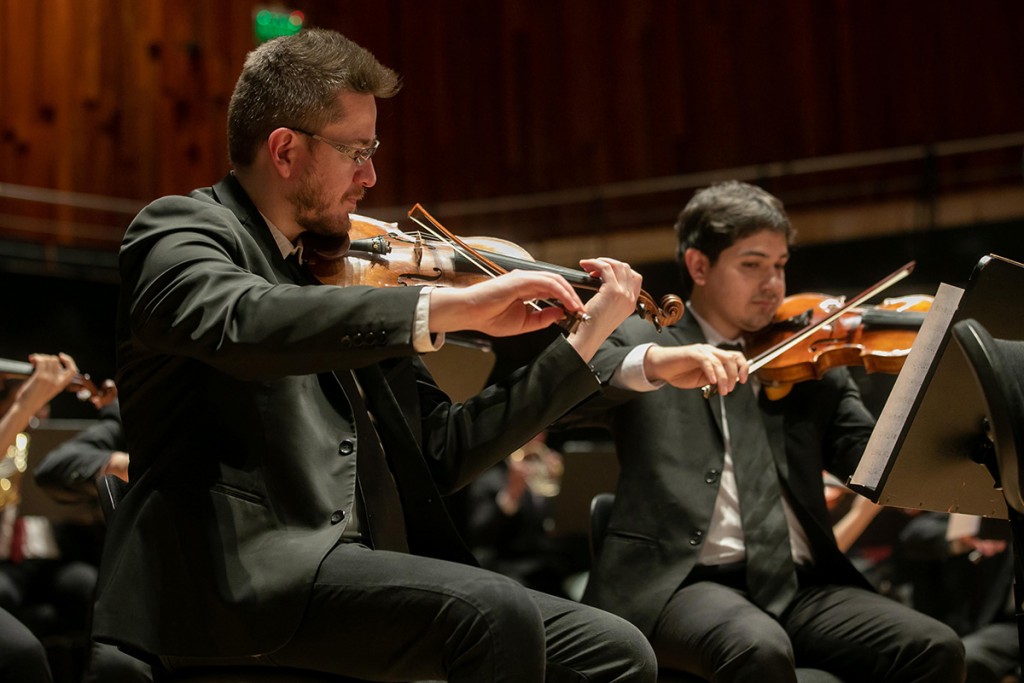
(385, 616)
(993, 653)
(710, 628)
(22, 657)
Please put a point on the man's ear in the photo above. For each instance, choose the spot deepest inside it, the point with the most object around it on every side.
(285, 147)
(697, 265)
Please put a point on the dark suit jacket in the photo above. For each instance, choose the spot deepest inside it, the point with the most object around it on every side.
(671, 454)
(242, 442)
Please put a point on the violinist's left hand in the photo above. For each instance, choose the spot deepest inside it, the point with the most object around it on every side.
(613, 303)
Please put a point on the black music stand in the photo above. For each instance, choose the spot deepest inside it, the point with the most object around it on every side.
(931, 450)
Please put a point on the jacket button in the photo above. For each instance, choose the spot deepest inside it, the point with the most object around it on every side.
(337, 516)
(711, 476)
(346, 341)
(696, 537)
(346, 447)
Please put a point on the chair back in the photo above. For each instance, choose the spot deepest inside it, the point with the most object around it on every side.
(600, 511)
(998, 366)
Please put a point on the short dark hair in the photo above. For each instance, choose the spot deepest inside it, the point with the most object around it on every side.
(294, 81)
(719, 215)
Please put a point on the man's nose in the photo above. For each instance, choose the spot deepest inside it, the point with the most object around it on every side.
(367, 174)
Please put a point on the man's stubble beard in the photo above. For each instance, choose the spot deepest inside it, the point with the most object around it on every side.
(310, 214)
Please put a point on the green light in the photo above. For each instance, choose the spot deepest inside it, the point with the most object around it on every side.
(270, 24)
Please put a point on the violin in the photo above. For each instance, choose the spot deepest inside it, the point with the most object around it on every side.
(877, 338)
(814, 333)
(378, 254)
(81, 384)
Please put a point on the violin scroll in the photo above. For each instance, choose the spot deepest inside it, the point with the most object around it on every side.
(668, 312)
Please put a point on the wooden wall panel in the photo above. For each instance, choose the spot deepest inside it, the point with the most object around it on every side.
(126, 99)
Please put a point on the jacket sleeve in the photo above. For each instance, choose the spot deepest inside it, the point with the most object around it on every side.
(464, 439)
(851, 426)
(69, 471)
(593, 411)
(202, 285)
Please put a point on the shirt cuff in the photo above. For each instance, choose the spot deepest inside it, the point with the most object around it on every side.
(630, 373)
(422, 340)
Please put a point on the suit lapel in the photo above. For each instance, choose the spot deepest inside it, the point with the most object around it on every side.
(232, 196)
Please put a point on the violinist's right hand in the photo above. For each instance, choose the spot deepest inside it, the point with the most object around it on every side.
(696, 365)
(117, 465)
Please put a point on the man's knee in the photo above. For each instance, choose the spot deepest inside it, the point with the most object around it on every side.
(23, 659)
(628, 646)
(757, 658)
(746, 651)
(941, 651)
(495, 606)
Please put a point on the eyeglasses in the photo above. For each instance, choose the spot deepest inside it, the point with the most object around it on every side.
(357, 154)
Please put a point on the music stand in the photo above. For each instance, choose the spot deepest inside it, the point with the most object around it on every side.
(924, 454)
(930, 450)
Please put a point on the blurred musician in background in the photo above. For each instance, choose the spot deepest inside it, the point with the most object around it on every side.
(70, 473)
(22, 657)
(510, 517)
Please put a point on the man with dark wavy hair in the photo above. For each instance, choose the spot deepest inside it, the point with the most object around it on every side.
(720, 547)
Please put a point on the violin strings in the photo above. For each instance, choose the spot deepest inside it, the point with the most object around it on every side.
(433, 227)
(442, 234)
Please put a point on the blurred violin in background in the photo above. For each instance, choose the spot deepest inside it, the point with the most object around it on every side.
(81, 384)
(380, 255)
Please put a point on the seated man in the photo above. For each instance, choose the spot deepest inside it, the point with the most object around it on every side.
(289, 450)
(719, 545)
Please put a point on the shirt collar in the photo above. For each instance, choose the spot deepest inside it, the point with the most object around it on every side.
(283, 244)
(710, 333)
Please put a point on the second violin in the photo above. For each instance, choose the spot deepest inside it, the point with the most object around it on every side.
(877, 338)
(810, 336)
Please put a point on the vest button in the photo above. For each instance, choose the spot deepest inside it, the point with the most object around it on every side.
(337, 516)
(346, 447)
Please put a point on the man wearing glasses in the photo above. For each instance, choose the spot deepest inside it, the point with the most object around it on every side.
(257, 530)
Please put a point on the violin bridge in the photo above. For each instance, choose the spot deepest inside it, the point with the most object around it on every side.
(417, 250)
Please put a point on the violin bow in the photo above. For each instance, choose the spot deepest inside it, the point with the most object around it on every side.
(432, 226)
(774, 352)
